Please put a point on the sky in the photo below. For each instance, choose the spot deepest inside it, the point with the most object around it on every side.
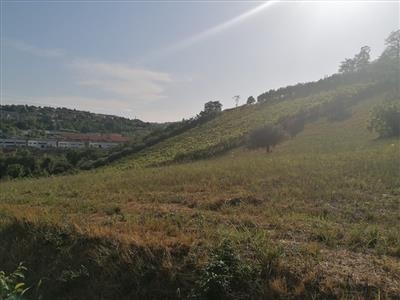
(162, 60)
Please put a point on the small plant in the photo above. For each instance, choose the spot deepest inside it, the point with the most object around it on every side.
(12, 286)
(225, 276)
(365, 237)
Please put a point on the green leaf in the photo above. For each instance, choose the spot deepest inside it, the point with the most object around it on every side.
(19, 286)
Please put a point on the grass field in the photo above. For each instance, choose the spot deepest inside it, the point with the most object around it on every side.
(316, 218)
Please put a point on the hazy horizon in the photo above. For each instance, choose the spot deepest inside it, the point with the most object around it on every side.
(161, 61)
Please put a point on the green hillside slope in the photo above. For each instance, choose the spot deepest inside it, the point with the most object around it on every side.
(317, 218)
(230, 127)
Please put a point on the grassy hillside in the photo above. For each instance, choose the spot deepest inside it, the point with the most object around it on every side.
(316, 218)
(231, 126)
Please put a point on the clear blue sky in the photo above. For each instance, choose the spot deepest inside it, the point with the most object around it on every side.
(161, 61)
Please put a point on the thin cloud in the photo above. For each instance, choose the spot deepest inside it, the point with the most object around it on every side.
(122, 80)
(198, 37)
(31, 49)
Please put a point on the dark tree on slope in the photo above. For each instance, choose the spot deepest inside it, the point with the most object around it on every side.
(389, 61)
(251, 100)
(266, 137)
(392, 50)
(358, 63)
(362, 58)
(211, 108)
(347, 66)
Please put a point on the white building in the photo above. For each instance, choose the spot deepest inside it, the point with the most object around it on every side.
(71, 144)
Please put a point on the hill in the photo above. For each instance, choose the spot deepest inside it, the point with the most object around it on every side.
(229, 129)
(16, 119)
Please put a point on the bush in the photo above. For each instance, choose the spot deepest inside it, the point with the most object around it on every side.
(293, 125)
(15, 170)
(385, 120)
(267, 137)
(60, 166)
(226, 276)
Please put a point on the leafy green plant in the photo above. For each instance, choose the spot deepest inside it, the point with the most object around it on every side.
(12, 286)
(226, 276)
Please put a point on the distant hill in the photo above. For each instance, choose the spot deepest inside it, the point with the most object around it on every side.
(19, 119)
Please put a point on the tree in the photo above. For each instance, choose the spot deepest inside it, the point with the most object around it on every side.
(267, 137)
(358, 63)
(390, 58)
(385, 120)
(251, 100)
(362, 58)
(293, 125)
(392, 50)
(347, 66)
(211, 108)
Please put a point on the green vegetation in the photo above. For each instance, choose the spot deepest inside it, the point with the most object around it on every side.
(385, 120)
(31, 162)
(11, 287)
(18, 118)
(265, 137)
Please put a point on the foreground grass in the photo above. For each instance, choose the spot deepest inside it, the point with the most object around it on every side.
(319, 217)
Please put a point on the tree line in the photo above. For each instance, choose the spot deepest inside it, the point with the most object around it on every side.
(18, 118)
(350, 71)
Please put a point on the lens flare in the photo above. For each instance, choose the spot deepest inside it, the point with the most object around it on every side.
(211, 31)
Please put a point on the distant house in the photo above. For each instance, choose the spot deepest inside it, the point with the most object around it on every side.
(101, 141)
(68, 141)
(71, 144)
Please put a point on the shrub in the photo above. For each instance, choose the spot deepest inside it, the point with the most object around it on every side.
(226, 276)
(60, 166)
(293, 125)
(15, 170)
(267, 137)
(385, 120)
